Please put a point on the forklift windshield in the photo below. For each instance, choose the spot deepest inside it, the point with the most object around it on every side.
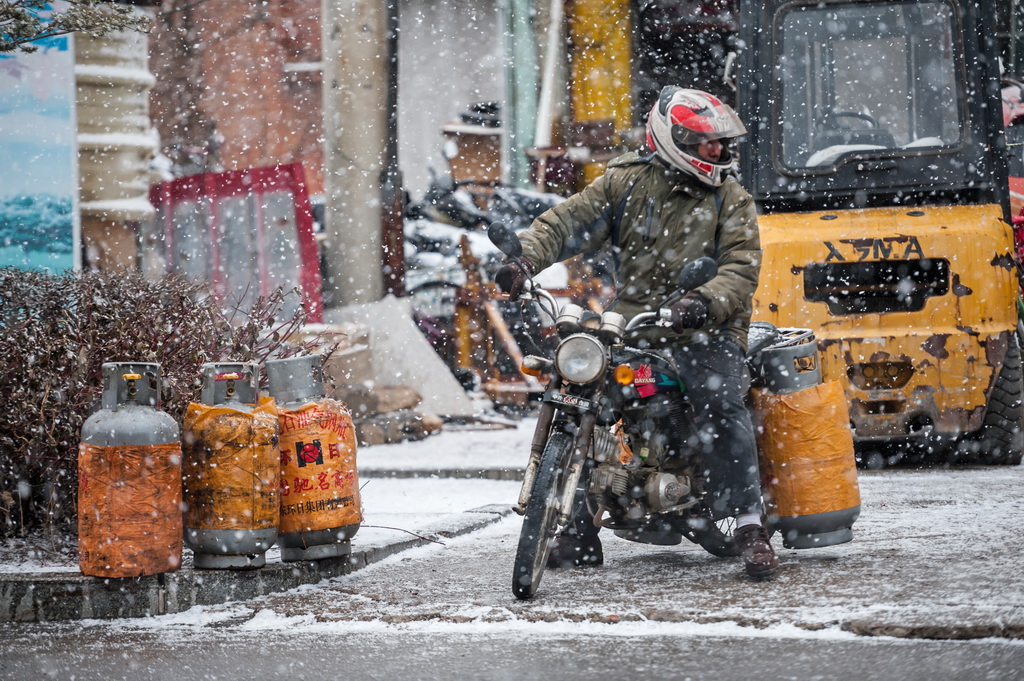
(866, 79)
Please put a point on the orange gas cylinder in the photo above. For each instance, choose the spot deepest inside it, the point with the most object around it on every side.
(231, 469)
(807, 464)
(320, 509)
(129, 479)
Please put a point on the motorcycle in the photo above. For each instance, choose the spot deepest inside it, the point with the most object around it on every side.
(615, 429)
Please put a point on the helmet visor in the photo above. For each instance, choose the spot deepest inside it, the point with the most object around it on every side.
(694, 116)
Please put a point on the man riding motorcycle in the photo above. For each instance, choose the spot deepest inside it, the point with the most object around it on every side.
(660, 212)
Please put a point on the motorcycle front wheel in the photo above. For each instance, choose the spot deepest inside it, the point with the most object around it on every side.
(540, 521)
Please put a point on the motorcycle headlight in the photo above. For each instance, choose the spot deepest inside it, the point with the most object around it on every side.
(580, 359)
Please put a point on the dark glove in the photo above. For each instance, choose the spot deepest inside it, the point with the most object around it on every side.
(511, 277)
(689, 312)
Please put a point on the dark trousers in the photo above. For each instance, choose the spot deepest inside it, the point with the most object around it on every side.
(717, 380)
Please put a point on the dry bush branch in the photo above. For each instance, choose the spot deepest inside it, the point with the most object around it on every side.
(55, 334)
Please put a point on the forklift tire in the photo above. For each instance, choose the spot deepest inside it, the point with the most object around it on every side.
(1000, 441)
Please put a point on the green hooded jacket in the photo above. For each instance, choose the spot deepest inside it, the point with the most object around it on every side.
(657, 222)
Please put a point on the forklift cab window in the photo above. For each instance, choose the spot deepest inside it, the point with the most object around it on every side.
(1013, 120)
(1015, 148)
(865, 80)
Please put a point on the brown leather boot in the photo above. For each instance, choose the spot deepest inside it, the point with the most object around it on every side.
(758, 556)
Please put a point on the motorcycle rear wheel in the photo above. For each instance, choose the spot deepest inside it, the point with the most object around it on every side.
(716, 537)
(713, 537)
(540, 521)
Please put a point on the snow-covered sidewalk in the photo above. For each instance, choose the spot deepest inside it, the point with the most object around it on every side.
(947, 537)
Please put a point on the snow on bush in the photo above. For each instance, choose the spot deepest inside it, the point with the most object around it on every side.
(55, 333)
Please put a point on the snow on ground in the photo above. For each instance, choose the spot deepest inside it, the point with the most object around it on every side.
(391, 507)
(455, 448)
(827, 594)
(399, 505)
(936, 553)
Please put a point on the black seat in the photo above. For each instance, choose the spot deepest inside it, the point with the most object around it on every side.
(836, 136)
(842, 128)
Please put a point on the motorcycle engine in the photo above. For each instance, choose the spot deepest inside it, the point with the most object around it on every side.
(642, 469)
(657, 429)
(632, 495)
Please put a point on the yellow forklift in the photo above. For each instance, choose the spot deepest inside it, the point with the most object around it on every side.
(877, 160)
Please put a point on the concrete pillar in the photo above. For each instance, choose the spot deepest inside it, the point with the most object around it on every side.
(116, 143)
(355, 128)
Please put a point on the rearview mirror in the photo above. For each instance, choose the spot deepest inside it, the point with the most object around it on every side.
(507, 241)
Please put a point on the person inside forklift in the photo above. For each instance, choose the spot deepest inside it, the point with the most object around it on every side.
(660, 211)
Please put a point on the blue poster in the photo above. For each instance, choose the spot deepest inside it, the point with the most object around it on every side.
(38, 153)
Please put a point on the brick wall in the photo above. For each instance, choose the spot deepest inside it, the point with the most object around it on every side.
(233, 85)
(222, 69)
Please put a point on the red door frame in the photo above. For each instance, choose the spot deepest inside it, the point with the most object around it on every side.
(206, 188)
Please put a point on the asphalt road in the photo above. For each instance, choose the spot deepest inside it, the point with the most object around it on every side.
(929, 589)
(513, 656)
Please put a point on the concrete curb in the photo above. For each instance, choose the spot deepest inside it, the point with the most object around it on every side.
(54, 596)
(961, 632)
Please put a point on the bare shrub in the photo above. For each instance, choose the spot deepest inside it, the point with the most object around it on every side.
(56, 331)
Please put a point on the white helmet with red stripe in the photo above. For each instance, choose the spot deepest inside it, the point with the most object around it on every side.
(680, 120)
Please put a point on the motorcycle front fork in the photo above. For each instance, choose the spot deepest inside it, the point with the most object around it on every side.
(581, 448)
(582, 442)
(545, 417)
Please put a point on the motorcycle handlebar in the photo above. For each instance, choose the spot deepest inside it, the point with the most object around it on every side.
(663, 317)
(533, 291)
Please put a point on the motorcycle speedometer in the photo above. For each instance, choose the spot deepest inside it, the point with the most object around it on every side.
(580, 358)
